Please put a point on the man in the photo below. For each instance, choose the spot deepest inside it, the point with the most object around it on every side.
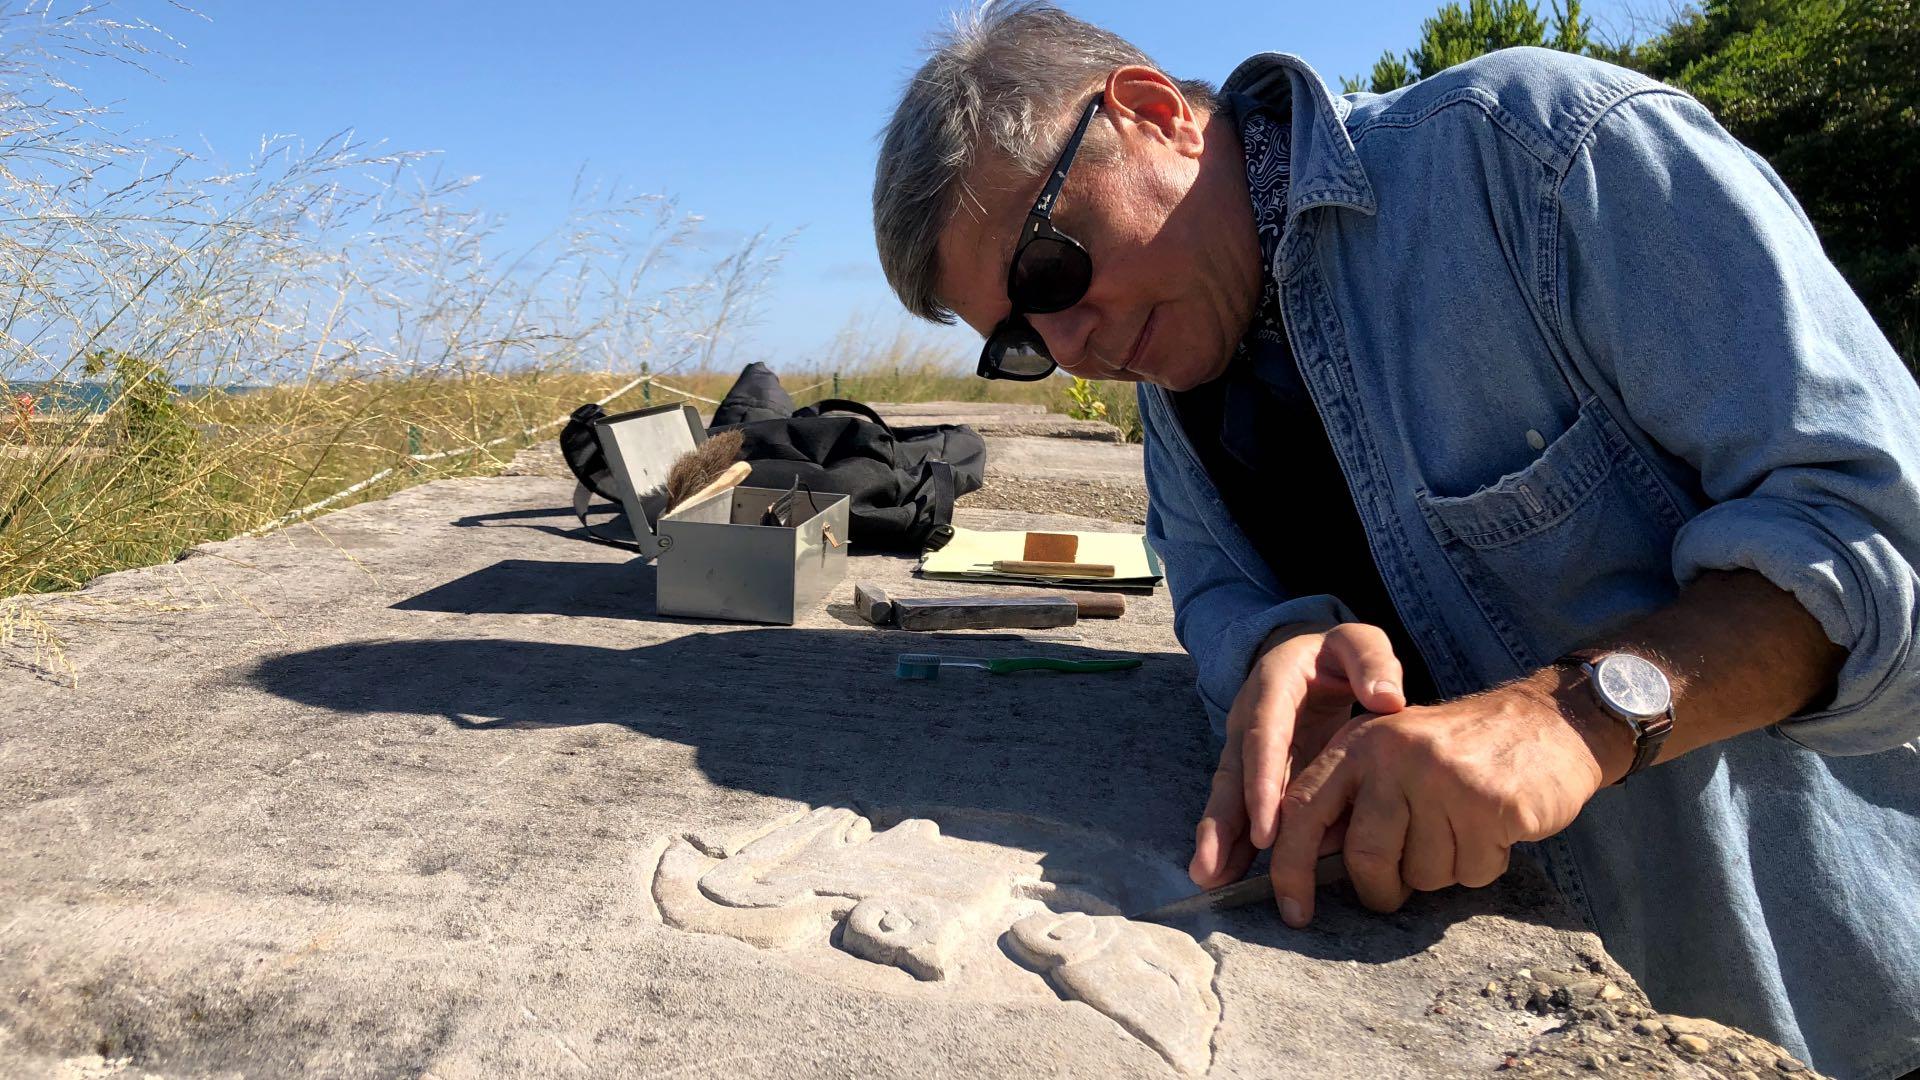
(1506, 434)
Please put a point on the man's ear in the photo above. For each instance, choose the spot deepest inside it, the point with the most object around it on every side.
(1144, 103)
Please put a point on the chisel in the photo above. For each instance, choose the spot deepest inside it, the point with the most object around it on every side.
(1052, 569)
(1240, 894)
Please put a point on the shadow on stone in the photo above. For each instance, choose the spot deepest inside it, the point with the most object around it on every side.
(607, 519)
(817, 715)
(532, 587)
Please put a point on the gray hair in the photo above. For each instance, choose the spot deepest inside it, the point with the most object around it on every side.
(1003, 79)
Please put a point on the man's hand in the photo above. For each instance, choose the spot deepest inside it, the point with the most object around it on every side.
(1433, 796)
(1436, 796)
(1301, 689)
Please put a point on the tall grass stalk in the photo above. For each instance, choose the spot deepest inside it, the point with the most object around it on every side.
(360, 286)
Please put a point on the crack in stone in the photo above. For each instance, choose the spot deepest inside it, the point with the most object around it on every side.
(1220, 1018)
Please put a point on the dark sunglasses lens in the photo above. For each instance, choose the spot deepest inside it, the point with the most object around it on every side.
(1017, 353)
(1049, 275)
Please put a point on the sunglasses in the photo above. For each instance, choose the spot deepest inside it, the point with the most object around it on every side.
(1050, 272)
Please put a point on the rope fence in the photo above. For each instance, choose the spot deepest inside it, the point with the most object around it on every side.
(676, 390)
(646, 383)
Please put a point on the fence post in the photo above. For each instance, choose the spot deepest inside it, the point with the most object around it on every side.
(836, 384)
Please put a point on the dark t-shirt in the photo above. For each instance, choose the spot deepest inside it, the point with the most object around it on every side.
(1263, 444)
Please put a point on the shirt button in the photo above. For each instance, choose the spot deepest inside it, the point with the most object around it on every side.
(1536, 440)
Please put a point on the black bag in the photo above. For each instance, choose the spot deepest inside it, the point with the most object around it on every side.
(756, 395)
(902, 481)
(581, 449)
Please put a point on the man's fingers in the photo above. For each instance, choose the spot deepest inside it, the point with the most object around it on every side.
(1223, 827)
(1427, 864)
(1266, 753)
(1230, 857)
(1480, 864)
(1365, 656)
(1376, 841)
(1315, 800)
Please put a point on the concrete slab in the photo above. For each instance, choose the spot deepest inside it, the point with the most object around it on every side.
(426, 788)
(1000, 418)
(918, 411)
(1067, 459)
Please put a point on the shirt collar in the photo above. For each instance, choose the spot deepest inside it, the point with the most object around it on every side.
(1326, 168)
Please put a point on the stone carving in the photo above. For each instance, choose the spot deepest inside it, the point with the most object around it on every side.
(905, 897)
(1152, 980)
(980, 918)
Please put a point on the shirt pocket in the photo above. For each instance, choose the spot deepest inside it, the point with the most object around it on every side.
(1576, 544)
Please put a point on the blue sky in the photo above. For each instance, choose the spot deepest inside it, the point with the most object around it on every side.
(753, 114)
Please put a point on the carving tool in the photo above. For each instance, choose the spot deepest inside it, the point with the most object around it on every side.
(928, 665)
(1242, 893)
(982, 612)
(1052, 569)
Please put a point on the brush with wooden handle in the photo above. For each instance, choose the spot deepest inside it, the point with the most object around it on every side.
(712, 467)
(735, 475)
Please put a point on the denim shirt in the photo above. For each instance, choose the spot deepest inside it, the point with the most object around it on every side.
(1574, 346)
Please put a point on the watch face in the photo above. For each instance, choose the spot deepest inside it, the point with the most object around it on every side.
(1632, 685)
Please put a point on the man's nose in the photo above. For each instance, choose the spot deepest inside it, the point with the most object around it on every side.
(1067, 334)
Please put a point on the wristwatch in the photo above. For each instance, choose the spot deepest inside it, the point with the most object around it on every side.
(1635, 691)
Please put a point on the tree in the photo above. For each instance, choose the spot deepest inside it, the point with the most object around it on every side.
(1389, 73)
(1571, 32)
(1828, 91)
(1457, 34)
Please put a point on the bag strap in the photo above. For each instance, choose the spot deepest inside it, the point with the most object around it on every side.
(941, 531)
(582, 502)
(827, 405)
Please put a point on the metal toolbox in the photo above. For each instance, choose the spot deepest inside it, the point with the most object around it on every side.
(714, 559)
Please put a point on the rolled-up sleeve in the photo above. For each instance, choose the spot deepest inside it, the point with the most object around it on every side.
(1689, 286)
(1220, 614)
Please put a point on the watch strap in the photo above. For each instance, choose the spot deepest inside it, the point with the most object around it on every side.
(1647, 740)
(1648, 735)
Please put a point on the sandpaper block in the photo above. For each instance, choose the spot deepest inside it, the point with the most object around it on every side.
(1051, 547)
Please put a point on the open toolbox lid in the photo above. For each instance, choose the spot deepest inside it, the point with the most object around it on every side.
(641, 448)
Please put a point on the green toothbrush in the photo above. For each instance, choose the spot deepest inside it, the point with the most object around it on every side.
(928, 665)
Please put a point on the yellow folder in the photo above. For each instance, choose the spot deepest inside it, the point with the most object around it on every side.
(970, 556)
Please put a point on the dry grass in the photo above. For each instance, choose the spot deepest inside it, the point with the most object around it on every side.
(868, 363)
(367, 292)
(364, 287)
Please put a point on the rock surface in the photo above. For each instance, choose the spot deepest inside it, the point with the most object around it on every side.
(1000, 418)
(396, 793)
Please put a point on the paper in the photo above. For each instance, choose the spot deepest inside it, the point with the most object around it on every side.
(971, 553)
